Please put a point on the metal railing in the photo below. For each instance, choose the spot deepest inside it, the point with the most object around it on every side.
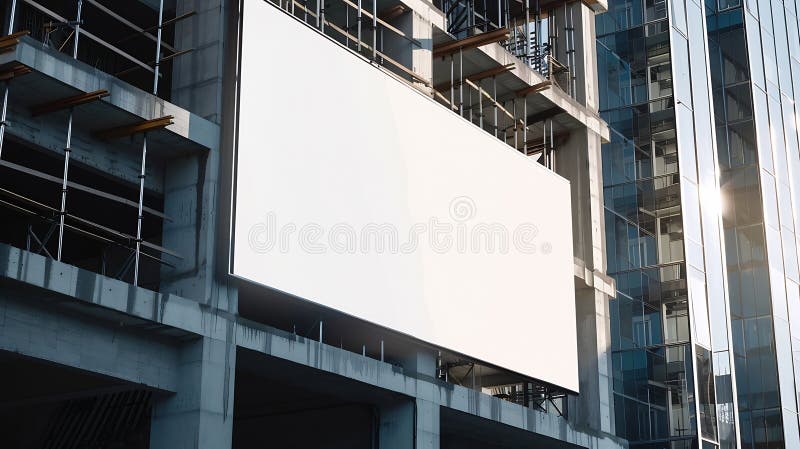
(104, 38)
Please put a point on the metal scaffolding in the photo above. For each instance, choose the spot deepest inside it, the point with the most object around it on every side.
(58, 219)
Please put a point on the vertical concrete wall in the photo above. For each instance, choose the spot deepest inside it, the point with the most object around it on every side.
(579, 160)
(415, 50)
(193, 184)
(197, 76)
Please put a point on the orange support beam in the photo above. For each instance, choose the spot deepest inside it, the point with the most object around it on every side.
(136, 128)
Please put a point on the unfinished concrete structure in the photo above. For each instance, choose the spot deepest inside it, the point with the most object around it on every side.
(119, 322)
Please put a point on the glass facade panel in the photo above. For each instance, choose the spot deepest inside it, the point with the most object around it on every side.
(712, 236)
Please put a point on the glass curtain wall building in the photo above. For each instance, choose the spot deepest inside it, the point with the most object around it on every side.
(702, 196)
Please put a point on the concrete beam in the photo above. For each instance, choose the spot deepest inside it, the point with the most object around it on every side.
(33, 329)
(85, 78)
(191, 317)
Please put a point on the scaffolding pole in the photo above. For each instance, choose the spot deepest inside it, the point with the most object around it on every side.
(527, 33)
(480, 103)
(516, 144)
(77, 32)
(64, 180)
(11, 19)
(140, 215)
(5, 85)
(494, 100)
(571, 51)
(158, 46)
(525, 124)
(461, 82)
(322, 16)
(358, 26)
(3, 115)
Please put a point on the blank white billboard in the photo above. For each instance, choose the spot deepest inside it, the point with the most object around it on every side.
(357, 192)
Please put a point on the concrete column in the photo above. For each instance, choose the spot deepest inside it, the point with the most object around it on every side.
(428, 425)
(422, 54)
(195, 186)
(197, 76)
(417, 55)
(200, 414)
(583, 42)
(579, 160)
(586, 56)
(191, 192)
(420, 364)
(592, 408)
(409, 424)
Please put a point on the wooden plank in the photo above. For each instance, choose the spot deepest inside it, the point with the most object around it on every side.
(475, 41)
(14, 71)
(136, 128)
(394, 11)
(480, 75)
(9, 42)
(534, 89)
(68, 102)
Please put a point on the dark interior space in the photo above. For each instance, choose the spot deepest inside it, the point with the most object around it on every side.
(101, 224)
(294, 406)
(118, 47)
(44, 405)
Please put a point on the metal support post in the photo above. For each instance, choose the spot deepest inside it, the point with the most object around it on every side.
(11, 19)
(551, 153)
(374, 29)
(461, 82)
(544, 143)
(5, 86)
(527, 32)
(3, 116)
(469, 98)
(525, 124)
(514, 113)
(573, 77)
(139, 217)
(322, 16)
(480, 104)
(63, 211)
(452, 82)
(494, 99)
(77, 32)
(158, 59)
(358, 25)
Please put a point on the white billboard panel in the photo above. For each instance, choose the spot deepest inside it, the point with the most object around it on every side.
(359, 193)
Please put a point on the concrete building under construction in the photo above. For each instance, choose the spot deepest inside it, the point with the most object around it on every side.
(129, 316)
